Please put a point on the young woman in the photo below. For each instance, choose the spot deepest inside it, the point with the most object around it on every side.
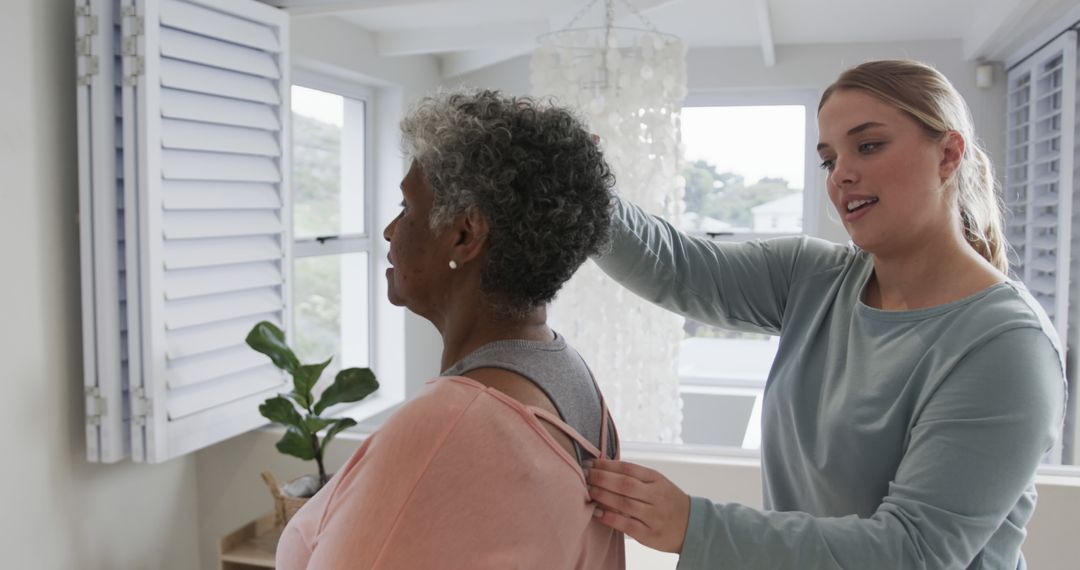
(505, 198)
(916, 387)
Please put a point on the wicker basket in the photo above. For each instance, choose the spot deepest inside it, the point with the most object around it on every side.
(284, 506)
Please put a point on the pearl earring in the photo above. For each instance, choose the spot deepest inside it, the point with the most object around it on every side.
(453, 264)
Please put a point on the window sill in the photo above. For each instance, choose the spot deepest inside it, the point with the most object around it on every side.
(707, 457)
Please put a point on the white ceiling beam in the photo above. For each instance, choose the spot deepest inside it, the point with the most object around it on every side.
(330, 7)
(995, 19)
(441, 40)
(768, 48)
(595, 16)
(1047, 33)
(454, 64)
(458, 63)
(1004, 27)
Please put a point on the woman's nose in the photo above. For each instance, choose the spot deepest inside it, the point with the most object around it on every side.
(843, 172)
(389, 229)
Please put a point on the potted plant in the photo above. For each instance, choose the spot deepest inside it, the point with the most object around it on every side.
(301, 415)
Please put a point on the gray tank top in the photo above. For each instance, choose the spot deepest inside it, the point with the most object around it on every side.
(558, 370)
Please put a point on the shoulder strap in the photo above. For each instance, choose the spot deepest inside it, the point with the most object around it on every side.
(605, 419)
(570, 432)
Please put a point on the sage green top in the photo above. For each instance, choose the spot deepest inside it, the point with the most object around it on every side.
(904, 439)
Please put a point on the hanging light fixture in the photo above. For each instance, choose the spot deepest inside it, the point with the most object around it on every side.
(629, 84)
(612, 60)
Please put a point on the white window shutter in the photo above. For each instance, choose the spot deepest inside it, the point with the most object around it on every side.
(101, 222)
(1041, 158)
(1039, 174)
(210, 158)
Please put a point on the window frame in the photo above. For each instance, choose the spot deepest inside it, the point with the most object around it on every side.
(341, 244)
(812, 182)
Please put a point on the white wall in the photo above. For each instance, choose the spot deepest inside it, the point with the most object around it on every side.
(59, 511)
(804, 67)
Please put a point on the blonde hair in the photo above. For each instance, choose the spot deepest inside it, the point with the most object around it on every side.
(927, 96)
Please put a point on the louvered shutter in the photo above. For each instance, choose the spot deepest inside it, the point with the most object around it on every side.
(101, 228)
(205, 103)
(1039, 174)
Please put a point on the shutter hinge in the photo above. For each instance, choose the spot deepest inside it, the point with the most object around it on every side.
(86, 26)
(96, 406)
(132, 26)
(141, 406)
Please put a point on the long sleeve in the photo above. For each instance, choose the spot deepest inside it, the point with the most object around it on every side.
(973, 447)
(741, 286)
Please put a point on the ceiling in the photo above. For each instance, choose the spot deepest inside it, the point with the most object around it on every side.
(467, 34)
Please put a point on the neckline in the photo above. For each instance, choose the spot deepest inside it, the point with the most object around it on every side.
(925, 312)
(554, 345)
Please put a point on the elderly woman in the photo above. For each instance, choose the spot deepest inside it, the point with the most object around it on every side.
(505, 198)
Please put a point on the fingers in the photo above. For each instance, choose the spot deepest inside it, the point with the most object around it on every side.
(640, 502)
(617, 502)
(618, 483)
(622, 523)
(634, 470)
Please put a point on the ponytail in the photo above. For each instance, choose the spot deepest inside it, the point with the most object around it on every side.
(980, 207)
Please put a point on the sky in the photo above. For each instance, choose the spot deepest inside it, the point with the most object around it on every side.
(320, 105)
(756, 142)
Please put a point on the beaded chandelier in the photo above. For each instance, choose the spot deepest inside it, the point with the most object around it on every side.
(628, 84)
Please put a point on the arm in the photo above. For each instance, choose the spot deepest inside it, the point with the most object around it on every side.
(971, 459)
(741, 286)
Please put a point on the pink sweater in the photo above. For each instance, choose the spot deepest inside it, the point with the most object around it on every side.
(462, 476)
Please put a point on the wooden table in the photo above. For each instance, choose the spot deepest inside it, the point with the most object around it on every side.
(250, 546)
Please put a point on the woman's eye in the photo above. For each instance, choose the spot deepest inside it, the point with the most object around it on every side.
(826, 165)
(869, 147)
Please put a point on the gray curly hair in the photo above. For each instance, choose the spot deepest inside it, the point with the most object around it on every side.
(532, 170)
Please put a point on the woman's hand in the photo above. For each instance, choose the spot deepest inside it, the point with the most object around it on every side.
(639, 502)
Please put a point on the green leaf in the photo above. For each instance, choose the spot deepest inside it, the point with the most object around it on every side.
(297, 444)
(304, 380)
(304, 405)
(315, 424)
(280, 410)
(350, 385)
(341, 424)
(266, 338)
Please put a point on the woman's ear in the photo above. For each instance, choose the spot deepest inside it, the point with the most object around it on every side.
(470, 232)
(952, 154)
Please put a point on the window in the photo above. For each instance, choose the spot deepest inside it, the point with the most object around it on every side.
(748, 176)
(334, 231)
(331, 248)
(745, 167)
